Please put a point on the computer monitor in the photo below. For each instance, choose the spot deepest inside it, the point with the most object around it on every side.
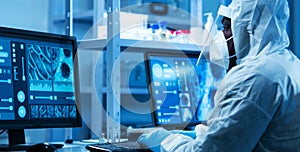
(37, 81)
(181, 93)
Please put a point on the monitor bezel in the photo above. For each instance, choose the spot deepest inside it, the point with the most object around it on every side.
(188, 54)
(54, 38)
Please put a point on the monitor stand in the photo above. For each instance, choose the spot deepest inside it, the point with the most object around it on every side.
(16, 141)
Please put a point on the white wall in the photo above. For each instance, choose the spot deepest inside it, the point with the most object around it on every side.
(25, 14)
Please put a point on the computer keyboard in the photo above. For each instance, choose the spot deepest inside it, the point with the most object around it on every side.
(117, 147)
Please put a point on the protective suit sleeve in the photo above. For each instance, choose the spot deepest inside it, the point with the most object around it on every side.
(170, 144)
(243, 116)
(191, 134)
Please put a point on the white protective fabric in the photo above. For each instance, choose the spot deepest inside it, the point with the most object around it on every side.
(225, 11)
(218, 50)
(258, 102)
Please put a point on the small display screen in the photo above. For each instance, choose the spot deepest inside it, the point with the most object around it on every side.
(182, 93)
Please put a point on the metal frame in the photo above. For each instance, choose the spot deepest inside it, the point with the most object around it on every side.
(113, 71)
(69, 31)
(196, 12)
(69, 17)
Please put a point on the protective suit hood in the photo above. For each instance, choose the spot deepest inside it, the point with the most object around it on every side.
(259, 27)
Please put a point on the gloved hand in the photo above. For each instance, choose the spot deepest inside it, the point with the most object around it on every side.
(191, 134)
(153, 139)
(201, 130)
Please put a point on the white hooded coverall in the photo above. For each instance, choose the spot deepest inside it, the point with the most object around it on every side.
(258, 102)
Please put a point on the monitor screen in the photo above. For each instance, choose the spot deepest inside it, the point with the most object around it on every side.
(37, 80)
(182, 93)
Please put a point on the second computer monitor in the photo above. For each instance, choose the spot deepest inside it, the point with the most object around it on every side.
(182, 93)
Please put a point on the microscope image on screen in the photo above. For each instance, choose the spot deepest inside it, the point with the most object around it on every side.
(50, 65)
(50, 69)
(186, 114)
(39, 67)
(184, 99)
(63, 75)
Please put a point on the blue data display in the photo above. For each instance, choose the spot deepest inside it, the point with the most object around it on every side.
(181, 91)
(36, 80)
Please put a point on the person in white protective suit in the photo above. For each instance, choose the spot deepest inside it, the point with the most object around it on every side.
(258, 104)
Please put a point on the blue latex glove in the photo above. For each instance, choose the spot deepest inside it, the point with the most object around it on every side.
(191, 134)
(152, 140)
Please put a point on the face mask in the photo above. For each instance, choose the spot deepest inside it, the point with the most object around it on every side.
(218, 50)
